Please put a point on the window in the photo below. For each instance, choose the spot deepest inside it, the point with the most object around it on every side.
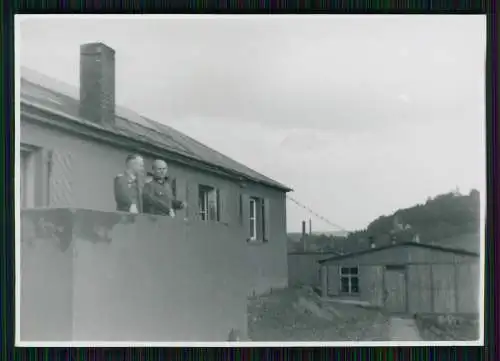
(27, 182)
(253, 219)
(209, 203)
(258, 230)
(349, 280)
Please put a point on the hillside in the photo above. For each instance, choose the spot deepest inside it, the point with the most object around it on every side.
(441, 219)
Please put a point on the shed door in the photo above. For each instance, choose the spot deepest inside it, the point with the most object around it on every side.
(395, 290)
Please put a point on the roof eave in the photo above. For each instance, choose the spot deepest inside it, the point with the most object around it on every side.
(378, 249)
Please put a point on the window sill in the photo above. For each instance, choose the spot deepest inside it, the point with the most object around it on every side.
(352, 295)
(257, 241)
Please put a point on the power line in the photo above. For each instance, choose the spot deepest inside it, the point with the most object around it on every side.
(324, 219)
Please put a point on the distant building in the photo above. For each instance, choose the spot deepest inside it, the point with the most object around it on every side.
(406, 278)
(339, 234)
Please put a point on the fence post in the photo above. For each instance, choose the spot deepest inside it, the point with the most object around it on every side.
(455, 284)
(432, 288)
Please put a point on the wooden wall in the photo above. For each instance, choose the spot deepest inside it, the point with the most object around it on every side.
(444, 288)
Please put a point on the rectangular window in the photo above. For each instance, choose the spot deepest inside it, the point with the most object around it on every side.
(28, 171)
(349, 280)
(258, 219)
(209, 203)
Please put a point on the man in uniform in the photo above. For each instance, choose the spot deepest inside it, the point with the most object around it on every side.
(128, 185)
(157, 193)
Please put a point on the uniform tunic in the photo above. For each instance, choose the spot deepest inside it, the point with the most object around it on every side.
(158, 197)
(127, 192)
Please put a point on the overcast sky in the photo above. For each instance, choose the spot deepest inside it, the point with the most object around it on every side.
(360, 115)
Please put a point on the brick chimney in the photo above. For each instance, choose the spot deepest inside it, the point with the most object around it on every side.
(97, 83)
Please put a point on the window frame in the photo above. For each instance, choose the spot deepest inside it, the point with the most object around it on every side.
(257, 219)
(204, 206)
(253, 201)
(349, 275)
(28, 174)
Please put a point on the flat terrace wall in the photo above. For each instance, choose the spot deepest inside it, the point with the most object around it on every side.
(106, 276)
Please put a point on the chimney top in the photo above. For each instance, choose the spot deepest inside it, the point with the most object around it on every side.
(96, 47)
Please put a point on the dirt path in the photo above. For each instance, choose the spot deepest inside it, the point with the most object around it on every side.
(403, 329)
(294, 315)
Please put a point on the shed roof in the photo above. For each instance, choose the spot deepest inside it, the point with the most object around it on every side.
(402, 244)
(469, 242)
(40, 90)
(313, 253)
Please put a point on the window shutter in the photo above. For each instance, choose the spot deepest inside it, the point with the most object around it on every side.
(267, 220)
(224, 206)
(187, 198)
(60, 171)
(240, 209)
(44, 177)
(245, 206)
(218, 213)
(173, 185)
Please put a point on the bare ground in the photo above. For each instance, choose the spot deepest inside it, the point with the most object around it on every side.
(300, 315)
(448, 328)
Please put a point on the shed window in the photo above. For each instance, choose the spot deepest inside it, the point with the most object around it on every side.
(349, 280)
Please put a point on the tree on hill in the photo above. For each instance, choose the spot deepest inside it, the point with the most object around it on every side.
(442, 217)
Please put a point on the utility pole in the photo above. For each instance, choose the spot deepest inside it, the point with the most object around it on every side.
(304, 235)
(310, 226)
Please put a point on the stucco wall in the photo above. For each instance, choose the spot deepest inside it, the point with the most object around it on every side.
(46, 302)
(82, 177)
(118, 277)
(268, 261)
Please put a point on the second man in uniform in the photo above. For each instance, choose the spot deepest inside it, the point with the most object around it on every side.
(157, 194)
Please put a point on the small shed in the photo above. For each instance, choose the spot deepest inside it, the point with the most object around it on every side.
(406, 278)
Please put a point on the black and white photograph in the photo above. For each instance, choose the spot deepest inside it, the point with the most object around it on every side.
(249, 180)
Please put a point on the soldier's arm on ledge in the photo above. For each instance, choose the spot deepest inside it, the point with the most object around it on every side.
(177, 204)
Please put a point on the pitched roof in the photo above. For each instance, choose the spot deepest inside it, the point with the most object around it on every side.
(412, 244)
(40, 90)
(469, 242)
